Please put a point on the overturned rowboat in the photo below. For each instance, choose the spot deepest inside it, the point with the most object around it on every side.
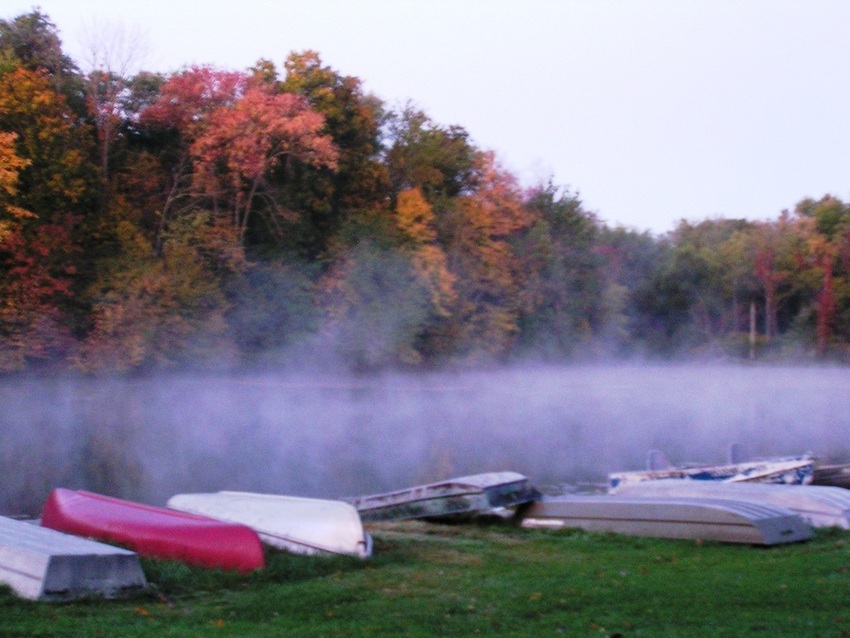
(792, 470)
(832, 475)
(819, 506)
(154, 531)
(299, 525)
(43, 564)
(683, 518)
(493, 492)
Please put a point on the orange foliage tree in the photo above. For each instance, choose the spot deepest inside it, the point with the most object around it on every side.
(233, 132)
(489, 275)
(243, 142)
(417, 224)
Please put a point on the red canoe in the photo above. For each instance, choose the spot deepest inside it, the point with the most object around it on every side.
(154, 531)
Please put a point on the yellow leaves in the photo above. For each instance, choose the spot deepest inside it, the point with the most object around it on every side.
(10, 164)
(415, 217)
(496, 209)
(150, 308)
(431, 266)
(48, 138)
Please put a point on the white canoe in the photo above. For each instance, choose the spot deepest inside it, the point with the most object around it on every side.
(43, 564)
(819, 505)
(703, 519)
(298, 525)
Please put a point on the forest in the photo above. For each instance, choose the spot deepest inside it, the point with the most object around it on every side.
(283, 216)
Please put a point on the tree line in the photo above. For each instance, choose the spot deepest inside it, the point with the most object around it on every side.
(230, 218)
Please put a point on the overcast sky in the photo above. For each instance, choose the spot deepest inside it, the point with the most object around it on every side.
(654, 111)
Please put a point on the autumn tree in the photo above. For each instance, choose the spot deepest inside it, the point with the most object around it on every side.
(489, 275)
(243, 143)
(46, 185)
(31, 41)
(417, 224)
(232, 135)
(329, 200)
(825, 267)
(57, 176)
(779, 247)
(160, 310)
(170, 121)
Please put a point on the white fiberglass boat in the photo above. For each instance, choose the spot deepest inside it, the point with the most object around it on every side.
(298, 525)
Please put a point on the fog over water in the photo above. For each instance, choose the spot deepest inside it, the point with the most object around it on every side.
(331, 437)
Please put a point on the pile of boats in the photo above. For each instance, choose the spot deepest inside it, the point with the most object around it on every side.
(89, 544)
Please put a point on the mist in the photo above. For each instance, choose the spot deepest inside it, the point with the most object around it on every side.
(332, 436)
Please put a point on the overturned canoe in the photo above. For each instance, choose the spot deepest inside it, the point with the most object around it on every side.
(154, 531)
(795, 470)
(819, 506)
(299, 525)
(704, 519)
(43, 564)
(466, 495)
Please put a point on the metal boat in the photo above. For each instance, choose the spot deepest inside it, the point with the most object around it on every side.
(299, 525)
(700, 519)
(833, 475)
(494, 492)
(154, 531)
(818, 505)
(792, 470)
(43, 564)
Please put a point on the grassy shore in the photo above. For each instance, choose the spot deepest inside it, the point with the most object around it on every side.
(460, 580)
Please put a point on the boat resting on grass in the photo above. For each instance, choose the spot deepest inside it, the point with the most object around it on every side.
(832, 475)
(721, 520)
(294, 524)
(489, 493)
(792, 470)
(154, 531)
(43, 564)
(818, 505)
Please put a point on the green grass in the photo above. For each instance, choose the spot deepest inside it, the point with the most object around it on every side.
(459, 580)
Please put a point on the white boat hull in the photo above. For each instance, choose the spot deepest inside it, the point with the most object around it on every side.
(294, 524)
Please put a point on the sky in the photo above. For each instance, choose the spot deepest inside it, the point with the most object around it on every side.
(653, 111)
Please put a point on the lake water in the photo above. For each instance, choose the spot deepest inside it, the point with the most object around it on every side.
(333, 437)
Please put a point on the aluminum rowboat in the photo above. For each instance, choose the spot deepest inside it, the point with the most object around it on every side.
(834, 475)
(458, 497)
(43, 564)
(795, 470)
(700, 519)
(818, 505)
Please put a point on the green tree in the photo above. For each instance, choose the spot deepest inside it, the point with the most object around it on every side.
(31, 41)
(566, 291)
(329, 200)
